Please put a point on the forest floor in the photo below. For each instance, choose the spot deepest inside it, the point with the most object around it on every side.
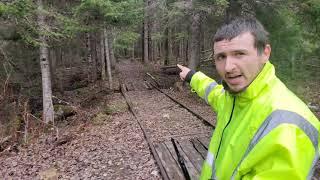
(104, 140)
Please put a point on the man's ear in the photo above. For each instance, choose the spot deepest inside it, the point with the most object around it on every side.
(266, 53)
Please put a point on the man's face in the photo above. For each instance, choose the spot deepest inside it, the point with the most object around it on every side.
(237, 61)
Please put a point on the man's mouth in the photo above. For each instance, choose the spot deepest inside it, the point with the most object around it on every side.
(234, 79)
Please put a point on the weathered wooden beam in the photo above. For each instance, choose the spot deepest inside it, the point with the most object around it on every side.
(171, 166)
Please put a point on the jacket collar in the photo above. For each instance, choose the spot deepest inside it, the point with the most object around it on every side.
(262, 81)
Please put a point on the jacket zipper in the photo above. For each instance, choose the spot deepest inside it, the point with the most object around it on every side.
(233, 105)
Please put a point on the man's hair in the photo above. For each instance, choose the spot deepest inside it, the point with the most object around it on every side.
(241, 25)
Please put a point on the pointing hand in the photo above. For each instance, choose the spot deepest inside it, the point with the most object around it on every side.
(184, 71)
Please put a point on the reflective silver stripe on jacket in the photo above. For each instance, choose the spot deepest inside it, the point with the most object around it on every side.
(210, 161)
(277, 118)
(208, 90)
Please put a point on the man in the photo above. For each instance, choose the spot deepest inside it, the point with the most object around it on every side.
(263, 130)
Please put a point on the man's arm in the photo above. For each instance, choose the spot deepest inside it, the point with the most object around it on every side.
(204, 86)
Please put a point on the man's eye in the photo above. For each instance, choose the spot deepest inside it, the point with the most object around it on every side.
(219, 58)
(239, 54)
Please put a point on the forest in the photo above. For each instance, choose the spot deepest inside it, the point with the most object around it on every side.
(51, 49)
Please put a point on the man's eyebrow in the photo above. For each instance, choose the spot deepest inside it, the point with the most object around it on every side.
(240, 50)
(232, 51)
(218, 54)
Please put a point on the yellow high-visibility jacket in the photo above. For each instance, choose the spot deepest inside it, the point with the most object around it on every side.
(264, 132)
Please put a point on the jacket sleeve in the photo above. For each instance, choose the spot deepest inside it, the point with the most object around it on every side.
(207, 88)
(285, 153)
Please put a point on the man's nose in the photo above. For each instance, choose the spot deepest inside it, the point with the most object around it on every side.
(229, 66)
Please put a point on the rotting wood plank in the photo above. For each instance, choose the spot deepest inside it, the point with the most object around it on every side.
(192, 154)
(170, 165)
(146, 85)
(205, 141)
(199, 147)
(185, 135)
(193, 172)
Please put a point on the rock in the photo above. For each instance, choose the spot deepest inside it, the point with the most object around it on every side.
(110, 163)
(166, 116)
(14, 163)
(133, 167)
(63, 111)
(49, 174)
(154, 173)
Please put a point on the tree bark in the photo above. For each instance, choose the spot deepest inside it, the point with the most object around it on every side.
(106, 42)
(132, 55)
(48, 112)
(195, 41)
(103, 61)
(240, 8)
(233, 10)
(94, 57)
(89, 57)
(110, 44)
(150, 47)
(145, 34)
(166, 46)
(187, 54)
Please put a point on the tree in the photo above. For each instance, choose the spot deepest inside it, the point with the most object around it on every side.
(195, 40)
(48, 112)
(37, 26)
(107, 55)
(145, 34)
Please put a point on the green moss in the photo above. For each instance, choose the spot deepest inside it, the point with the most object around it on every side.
(117, 107)
(64, 108)
(100, 118)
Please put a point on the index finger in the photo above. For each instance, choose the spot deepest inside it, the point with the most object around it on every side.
(180, 66)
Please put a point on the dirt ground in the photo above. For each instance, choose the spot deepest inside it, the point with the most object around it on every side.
(104, 140)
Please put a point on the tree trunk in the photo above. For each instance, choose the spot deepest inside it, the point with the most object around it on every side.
(89, 57)
(106, 42)
(166, 46)
(132, 52)
(187, 51)
(160, 51)
(150, 52)
(112, 57)
(233, 10)
(94, 57)
(240, 8)
(180, 55)
(48, 112)
(145, 34)
(53, 66)
(103, 61)
(195, 41)
(170, 45)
